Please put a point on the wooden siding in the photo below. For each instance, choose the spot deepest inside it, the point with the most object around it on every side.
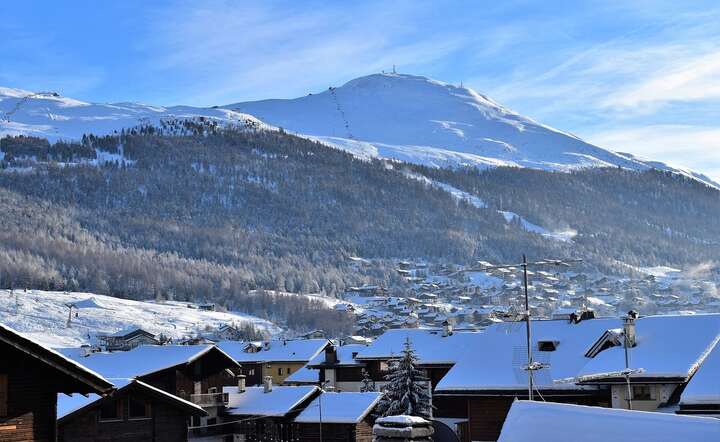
(31, 398)
(166, 424)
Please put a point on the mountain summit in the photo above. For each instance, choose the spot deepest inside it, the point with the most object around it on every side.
(421, 120)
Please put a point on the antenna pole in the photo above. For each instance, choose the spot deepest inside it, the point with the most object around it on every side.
(627, 372)
(527, 328)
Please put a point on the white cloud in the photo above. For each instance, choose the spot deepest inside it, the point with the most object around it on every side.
(693, 147)
(682, 79)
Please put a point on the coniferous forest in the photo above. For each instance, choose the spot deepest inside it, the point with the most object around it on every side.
(200, 213)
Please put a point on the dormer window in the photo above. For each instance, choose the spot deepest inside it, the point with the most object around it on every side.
(547, 345)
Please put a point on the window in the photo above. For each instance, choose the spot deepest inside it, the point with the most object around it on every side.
(289, 370)
(251, 372)
(547, 345)
(3, 394)
(641, 393)
(111, 410)
(138, 408)
(279, 371)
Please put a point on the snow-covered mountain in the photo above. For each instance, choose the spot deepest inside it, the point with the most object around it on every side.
(50, 115)
(420, 120)
(403, 117)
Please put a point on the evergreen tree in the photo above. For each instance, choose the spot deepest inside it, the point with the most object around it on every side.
(407, 390)
(367, 383)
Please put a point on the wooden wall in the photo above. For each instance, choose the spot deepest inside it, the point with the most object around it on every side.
(167, 424)
(31, 399)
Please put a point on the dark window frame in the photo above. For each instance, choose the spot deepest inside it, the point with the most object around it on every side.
(119, 411)
(147, 414)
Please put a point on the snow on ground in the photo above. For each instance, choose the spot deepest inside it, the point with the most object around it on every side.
(55, 117)
(42, 315)
(559, 235)
(328, 301)
(458, 194)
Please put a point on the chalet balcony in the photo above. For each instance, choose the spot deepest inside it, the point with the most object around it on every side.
(210, 399)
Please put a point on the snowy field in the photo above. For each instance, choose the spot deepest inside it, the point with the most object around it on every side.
(43, 315)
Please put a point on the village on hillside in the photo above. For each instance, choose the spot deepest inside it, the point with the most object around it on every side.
(454, 357)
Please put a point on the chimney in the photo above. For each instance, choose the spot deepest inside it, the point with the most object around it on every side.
(629, 328)
(447, 329)
(266, 345)
(241, 383)
(331, 354)
(267, 384)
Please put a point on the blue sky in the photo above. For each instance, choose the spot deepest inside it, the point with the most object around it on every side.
(634, 76)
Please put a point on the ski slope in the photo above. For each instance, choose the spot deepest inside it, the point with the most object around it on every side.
(419, 120)
(43, 315)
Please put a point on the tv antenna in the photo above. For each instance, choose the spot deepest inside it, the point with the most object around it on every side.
(531, 365)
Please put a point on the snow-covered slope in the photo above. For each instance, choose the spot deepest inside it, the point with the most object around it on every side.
(402, 117)
(42, 315)
(420, 120)
(50, 115)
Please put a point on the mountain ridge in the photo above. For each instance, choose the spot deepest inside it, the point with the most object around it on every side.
(401, 117)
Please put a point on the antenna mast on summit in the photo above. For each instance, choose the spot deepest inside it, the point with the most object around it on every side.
(394, 71)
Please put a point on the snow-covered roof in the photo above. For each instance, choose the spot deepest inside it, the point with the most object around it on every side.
(278, 402)
(667, 347)
(296, 350)
(67, 404)
(305, 375)
(704, 387)
(344, 355)
(496, 359)
(143, 359)
(340, 408)
(430, 345)
(551, 422)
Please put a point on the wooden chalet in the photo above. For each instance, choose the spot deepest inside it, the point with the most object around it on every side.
(31, 376)
(196, 373)
(181, 370)
(135, 411)
(346, 417)
(125, 340)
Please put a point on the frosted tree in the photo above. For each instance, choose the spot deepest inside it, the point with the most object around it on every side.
(367, 383)
(407, 389)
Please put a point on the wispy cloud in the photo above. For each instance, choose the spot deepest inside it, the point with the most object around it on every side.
(265, 51)
(695, 147)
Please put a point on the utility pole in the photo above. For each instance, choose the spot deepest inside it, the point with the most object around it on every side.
(531, 365)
